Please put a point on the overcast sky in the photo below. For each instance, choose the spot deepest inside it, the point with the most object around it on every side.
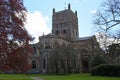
(39, 18)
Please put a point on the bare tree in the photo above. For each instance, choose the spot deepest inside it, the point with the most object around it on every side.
(109, 15)
(63, 59)
(107, 19)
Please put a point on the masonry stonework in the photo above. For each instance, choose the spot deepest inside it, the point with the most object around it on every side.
(64, 32)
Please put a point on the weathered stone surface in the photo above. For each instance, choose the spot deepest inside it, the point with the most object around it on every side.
(64, 32)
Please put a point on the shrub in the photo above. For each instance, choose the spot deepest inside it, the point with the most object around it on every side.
(106, 70)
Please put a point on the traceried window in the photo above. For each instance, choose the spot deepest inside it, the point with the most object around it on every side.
(34, 51)
(33, 64)
(44, 64)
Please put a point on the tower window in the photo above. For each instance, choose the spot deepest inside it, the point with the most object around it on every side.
(57, 32)
(64, 31)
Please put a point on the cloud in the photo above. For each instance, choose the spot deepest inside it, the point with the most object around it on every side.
(37, 24)
(93, 11)
(46, 18)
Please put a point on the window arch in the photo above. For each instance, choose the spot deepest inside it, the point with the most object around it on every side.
(34, 50)
(44, 63)
(33, 64)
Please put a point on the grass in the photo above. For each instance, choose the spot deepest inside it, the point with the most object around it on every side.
(79, 77)
(55, 77)
(14, 77)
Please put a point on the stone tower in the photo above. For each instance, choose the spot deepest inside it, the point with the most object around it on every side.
(65, 23)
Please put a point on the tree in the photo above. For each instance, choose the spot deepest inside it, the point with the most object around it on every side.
(63, 59)
(107, 19)
(97, 60)
(114, 52)
(109, 15)
(14, 39)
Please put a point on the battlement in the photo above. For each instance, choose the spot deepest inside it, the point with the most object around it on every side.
(65, 23)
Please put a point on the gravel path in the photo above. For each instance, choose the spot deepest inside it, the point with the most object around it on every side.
(36, 78)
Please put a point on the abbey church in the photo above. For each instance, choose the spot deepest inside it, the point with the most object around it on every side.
(64, 33)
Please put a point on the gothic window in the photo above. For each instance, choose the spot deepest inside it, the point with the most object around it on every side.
(57, 32)
(33, 64)
(34, 50)
(64, 31)
(44, 63)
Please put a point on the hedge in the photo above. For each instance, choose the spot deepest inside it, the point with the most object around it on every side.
(106, 70)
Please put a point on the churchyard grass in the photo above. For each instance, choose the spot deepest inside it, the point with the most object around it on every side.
(55, 77)
(14, 77)
(75, 77)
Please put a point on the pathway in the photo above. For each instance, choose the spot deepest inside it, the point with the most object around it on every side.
(36, 78)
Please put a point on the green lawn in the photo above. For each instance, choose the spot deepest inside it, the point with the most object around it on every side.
(78, 77)
(55, 77)
(14, 77)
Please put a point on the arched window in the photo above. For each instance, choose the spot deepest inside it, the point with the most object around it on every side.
(44, 63)
(33, 64)
(34, 51)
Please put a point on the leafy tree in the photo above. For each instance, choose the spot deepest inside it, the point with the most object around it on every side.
(14, 39)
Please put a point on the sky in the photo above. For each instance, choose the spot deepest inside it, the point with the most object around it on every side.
(39, 17)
